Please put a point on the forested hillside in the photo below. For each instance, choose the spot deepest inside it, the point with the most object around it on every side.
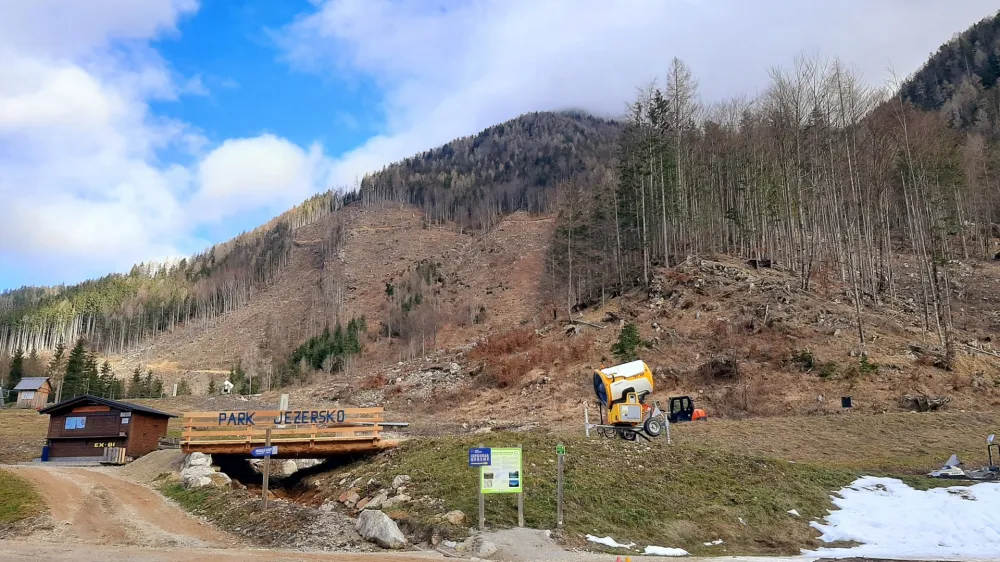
(821, 174)
(960, 80)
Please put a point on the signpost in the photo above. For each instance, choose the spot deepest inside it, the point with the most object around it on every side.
(268, 451)
(264, 451)
(501, 471)
(479, 457)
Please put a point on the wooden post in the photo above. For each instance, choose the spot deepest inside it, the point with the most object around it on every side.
(267, 465)
(520, 495)
(559, 488)
(482, 498)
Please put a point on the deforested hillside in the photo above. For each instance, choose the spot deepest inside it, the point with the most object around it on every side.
(472, 181)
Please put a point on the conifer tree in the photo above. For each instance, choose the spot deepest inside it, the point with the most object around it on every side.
(16, 368)
(74, 380)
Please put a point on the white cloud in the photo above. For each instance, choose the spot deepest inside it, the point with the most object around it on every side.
(450, 69)
(260, 172)
(84, 188)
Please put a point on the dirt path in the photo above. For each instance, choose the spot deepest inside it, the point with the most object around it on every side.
(92, 506)
(11, 551)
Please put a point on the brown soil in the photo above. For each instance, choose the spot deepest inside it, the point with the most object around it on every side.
(93, 506)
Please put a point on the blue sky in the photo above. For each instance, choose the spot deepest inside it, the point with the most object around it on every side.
(147, 130)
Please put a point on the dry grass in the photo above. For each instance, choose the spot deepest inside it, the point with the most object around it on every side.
(896, 443)
(510, 356)
(22, 434)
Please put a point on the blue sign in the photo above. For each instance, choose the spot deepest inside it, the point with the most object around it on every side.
(479, 457)
(264, 451)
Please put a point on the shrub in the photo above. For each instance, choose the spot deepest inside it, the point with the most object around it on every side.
(828, 370)
(804, 359)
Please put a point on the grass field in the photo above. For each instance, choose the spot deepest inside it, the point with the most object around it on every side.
(679, 496)
(730, 480)
(19, 500)
(22, 434)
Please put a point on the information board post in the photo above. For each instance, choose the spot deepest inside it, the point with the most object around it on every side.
(482, 500)
(560, 452)
(267, 466)
(520, 497)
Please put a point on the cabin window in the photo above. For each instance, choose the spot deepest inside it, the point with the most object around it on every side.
(76, 423)
(28, 394)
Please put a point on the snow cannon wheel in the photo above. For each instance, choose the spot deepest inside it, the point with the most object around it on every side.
(627, 434)
(653, 427)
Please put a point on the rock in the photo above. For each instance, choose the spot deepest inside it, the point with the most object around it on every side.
(199, 476)
(361, 504)
(289, 467)
(377, 501)
(346, 496)
(307, 463)
(455, 517)
(449, 544)
(378, 528)
(486, 549)
(197, 459)
(400, 480)
(395, 501)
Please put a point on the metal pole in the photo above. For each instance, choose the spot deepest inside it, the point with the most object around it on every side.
(666, 423)
(520, 495)
(586, 421)
(482, 498)
(559, 491)
(267, 465)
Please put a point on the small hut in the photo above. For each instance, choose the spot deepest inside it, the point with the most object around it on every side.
(33, 392)
(85, 426)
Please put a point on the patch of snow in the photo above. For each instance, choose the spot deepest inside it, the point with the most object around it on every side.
(892, 520)
(665, 551)
(608, 541)
(716, 542)
(794, 512)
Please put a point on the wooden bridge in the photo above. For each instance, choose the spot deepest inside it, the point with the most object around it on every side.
(297, 433)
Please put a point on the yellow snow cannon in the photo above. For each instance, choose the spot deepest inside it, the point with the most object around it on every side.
(622, 391)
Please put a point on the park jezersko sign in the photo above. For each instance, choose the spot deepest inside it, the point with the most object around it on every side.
(290, 417)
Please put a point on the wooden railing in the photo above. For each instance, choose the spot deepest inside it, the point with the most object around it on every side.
(291, 426)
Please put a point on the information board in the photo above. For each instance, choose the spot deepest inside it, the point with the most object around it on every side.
(504, 475)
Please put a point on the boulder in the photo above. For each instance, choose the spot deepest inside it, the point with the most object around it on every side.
(197, 459)
(289, 467)
(199, 476)
(307, 463)
(378, 528)
(455, 517)
(400, 480)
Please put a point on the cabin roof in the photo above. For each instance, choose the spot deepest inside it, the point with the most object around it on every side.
(31, 383)
(66, 405)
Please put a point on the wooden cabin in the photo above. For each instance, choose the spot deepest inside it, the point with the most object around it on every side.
(33, 392)
(85, 426)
